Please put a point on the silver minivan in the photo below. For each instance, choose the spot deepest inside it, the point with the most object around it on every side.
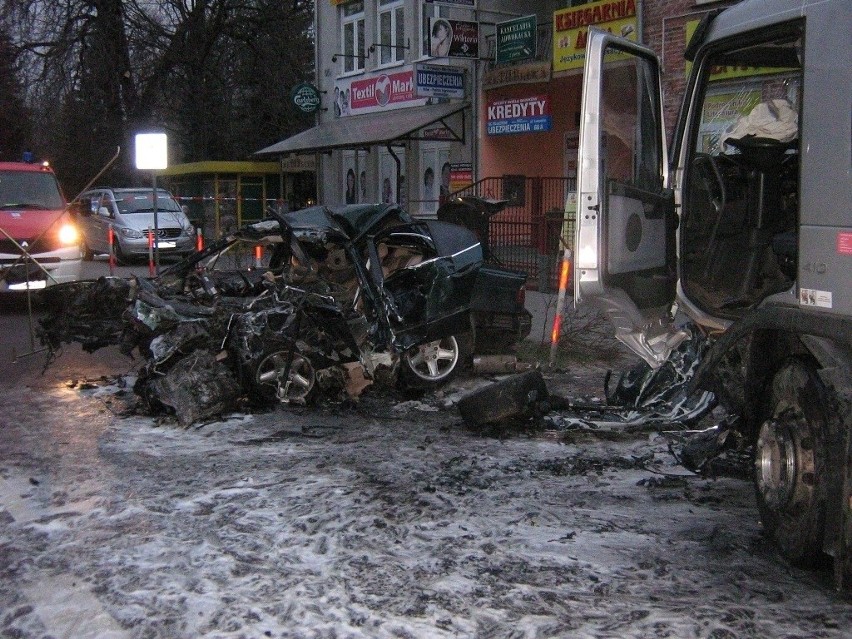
(130, 212)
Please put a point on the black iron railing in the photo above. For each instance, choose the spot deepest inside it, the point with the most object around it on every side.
(526, 234)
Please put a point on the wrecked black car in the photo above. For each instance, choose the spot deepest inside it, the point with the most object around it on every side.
(333, 300)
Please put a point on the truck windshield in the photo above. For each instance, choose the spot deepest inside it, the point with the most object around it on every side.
(143, 202)
(30, 190)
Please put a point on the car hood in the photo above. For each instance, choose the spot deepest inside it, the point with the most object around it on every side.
(144, 221)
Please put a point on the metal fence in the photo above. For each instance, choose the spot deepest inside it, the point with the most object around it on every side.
(526, 234)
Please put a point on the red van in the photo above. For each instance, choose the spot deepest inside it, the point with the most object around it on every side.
(39, 242)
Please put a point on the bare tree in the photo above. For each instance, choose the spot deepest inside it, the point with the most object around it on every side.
(215, 74)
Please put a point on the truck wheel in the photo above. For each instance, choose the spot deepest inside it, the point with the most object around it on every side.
(268, 383)
(516, 396)
(790, 463)
(431, 363)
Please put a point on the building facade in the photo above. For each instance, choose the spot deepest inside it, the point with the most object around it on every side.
(419, 99)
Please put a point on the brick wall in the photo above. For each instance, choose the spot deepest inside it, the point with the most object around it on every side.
(664, 31)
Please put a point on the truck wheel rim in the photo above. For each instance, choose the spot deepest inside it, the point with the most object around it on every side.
(776, 463)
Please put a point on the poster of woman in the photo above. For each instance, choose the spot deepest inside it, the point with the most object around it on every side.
(442, 38)
(351, 194)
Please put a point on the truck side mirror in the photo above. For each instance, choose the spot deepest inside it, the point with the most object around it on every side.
(104, 211)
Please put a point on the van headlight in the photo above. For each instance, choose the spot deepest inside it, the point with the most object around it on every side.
(68, 235)
(189, 231)
(131, 233)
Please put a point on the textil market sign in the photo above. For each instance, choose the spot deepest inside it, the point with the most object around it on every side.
(571, 29)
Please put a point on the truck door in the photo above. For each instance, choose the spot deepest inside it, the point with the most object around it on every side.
(626, 259)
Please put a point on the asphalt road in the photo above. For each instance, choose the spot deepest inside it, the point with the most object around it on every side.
(21, 357)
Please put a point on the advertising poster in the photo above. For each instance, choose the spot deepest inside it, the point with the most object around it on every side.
(519, 115)
(571, 29)
(453, 38)
(461, 176)
(378, 93)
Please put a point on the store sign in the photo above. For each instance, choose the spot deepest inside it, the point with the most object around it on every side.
(519, 115)
(516, 39)
(525, 73)
(305, 97)
(455, 3)
(438, 81)
(571, 29)
(453, 38)
(383, 92)
(461, 176)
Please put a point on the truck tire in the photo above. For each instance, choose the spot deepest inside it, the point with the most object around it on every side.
(790, 463)
(432, 363)
(519, 395)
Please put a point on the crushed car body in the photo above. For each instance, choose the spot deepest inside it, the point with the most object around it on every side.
(364, 288)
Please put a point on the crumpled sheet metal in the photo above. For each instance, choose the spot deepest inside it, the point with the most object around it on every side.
(645, 396)
(198, 387)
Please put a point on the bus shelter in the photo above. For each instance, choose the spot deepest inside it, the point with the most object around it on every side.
(220, 196)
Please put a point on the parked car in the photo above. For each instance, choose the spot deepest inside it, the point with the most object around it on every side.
(130, 212)
(365, 285)
(39, 243)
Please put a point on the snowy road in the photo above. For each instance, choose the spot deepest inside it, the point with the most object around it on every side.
(380, 521)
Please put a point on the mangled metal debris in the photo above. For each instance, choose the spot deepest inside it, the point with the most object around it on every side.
(346, 298)
(644, 397)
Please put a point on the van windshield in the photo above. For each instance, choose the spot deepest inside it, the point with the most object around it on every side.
(142, 202)
(29, 189)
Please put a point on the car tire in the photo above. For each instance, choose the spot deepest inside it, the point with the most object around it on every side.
(88, 254)
(432, 363)
(520, 395)
(120, 257)
(790, 463)
(268, 375)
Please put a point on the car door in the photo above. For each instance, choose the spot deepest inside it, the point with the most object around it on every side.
(97, 224)
(626, 260)
(427, 275)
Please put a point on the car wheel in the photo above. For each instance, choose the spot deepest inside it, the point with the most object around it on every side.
(431, 363)
(520, 395)
(269, 382)
(120, 257)
(790, 463)
(88, 254)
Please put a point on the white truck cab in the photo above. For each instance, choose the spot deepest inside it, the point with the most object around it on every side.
(744, 224)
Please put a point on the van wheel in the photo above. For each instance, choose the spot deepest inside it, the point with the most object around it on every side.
(120, 258)
(88, 254)
(790, 464)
